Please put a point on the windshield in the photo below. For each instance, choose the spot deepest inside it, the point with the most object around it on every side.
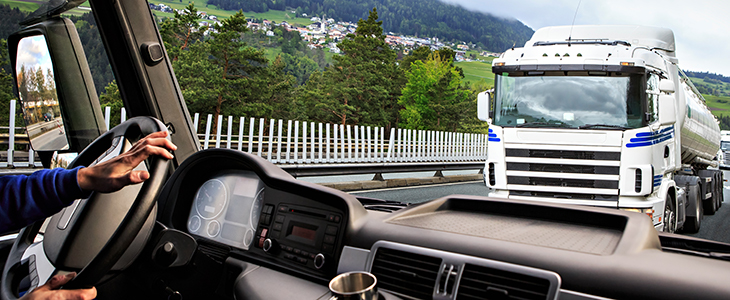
(725, 145)
(568, 101)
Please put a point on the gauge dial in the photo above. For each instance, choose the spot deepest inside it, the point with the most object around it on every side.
(211, 199)
(256, 208)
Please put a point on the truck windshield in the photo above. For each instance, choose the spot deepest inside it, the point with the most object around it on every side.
(595, 102)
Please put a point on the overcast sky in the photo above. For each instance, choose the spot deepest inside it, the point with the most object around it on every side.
(701, 27)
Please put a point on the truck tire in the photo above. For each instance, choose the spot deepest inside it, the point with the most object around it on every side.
(693, 224)
(670, 216)
(709, 205)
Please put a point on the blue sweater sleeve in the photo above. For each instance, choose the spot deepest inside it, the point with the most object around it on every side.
(26, 199)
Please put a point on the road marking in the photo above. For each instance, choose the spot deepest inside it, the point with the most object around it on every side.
(413, 187)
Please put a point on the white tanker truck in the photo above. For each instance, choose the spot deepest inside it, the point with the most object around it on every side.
(602, 116)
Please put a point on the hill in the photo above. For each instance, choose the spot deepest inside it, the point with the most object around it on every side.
(427, 18)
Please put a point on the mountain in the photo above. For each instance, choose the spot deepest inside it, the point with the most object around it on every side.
(423, 18)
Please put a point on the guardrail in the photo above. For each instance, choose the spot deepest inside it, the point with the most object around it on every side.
(318, 149)
(314, 149)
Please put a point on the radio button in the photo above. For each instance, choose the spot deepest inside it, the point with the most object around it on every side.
(275, 234)
(288, 248)
(329, 239)
(319, 261)
(337, 219)
(277, 226)
(331, 230)
(283, 208)
(305, 253)
(327, 248)
(279, 219)
(302, 260)
(297, 251)
(289, 256)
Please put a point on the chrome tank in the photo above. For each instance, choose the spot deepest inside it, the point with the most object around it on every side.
(700, 133)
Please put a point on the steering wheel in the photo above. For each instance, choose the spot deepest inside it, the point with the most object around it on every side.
(78, 220)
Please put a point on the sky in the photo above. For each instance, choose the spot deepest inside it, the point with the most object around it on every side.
(701, 27)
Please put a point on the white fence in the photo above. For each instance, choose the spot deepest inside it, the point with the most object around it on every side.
(301, 142)
(298, 142)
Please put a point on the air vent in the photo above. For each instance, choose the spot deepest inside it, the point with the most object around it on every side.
(478, 282)
(406, 273)
(219, 254)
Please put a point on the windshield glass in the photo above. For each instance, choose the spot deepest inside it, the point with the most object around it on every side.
(725, 145)
(568, 101)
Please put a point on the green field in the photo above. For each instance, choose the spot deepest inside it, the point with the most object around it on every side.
(31, 6)
(22, 5)
(475, 71)
(719, 105)
(271, 15)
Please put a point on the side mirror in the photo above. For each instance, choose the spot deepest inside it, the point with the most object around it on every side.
(35, 78)
(667, 110)
(484, 107)
(666, 86)
(55, 87)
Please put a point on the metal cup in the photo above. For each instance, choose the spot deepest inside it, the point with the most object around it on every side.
(354, 285)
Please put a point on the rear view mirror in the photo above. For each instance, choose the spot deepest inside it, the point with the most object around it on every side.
(38, 95)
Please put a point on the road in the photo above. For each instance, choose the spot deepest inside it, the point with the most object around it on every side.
(715, 227)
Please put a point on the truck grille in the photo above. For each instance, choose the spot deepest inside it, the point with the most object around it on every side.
(562, 168)
(537, 173)
(564, 154)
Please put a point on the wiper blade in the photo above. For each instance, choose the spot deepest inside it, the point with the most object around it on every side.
(602, 125)
(544, 124)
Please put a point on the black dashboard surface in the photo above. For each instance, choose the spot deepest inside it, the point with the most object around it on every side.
(297, 235)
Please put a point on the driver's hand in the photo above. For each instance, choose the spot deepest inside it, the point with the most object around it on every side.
(116, 173)
(50, 290)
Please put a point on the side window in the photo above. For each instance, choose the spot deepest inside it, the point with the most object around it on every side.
(652, 96)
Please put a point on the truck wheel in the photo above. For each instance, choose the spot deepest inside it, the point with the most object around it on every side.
(692, 224)
(670, 218)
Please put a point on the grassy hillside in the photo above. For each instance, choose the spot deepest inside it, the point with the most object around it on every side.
(272, 15)
(31, 6)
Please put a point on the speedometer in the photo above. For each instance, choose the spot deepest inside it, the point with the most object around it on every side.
(211, 199)
(256, 208)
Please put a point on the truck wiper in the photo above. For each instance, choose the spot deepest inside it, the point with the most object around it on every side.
(544, 124)
(602, 125)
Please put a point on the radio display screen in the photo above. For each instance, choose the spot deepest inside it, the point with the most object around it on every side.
(303, 232)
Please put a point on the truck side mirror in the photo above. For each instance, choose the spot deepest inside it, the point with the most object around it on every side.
(55, 87)
(484, 107)
(667, 111)
(666, 86)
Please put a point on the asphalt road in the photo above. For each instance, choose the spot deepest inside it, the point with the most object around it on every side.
(715, 227)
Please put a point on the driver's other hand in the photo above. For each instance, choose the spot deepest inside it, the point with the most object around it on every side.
(50, 290)
(118, 172)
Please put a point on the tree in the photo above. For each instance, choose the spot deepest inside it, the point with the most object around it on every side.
(363, 85)
(6, 89)
(180, 32)
(434, 98)
(112, 98)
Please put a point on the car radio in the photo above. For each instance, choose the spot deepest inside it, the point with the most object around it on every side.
(302, 234)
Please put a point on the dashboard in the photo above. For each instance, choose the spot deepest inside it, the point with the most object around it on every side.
(252, 231)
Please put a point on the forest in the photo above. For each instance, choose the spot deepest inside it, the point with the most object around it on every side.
(429, 18)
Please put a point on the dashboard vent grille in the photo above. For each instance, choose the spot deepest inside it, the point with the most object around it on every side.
(406, 273)
(219, 254)
(478, 282)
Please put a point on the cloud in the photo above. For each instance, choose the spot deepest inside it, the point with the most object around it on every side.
(700, 26)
